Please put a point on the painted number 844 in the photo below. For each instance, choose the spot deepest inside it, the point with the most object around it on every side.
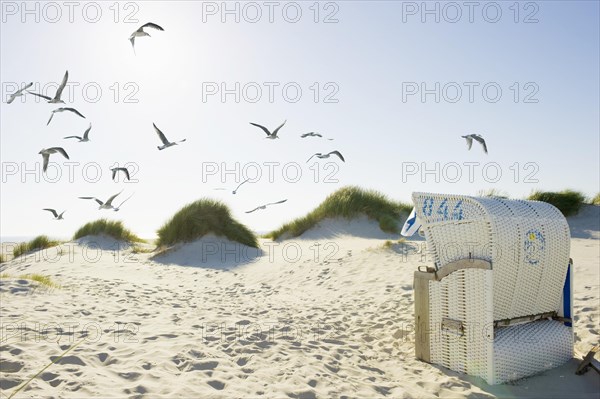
(443, 209)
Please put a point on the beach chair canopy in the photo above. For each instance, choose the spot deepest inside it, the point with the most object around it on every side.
(527, 243)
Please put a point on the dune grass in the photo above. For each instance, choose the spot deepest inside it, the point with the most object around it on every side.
(114, 229)
(595, 200)
(388, 244)
(492, 192)
(202, 217)
(41, 279)
(138, 249)
(39, 242)
(567, 201)
(348, 203)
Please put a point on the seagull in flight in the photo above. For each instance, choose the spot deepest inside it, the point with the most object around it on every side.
(141, 33)
(62, 109)
(61, 87)
(116, 170)
(265, 205)
(166, 143)
(240, 185)
(83, 139)
(312, 134)
(18, 93)
(121, 204)
(107, 204)
(46, 152)
(476, 137)
(56, 215)
(323, 156)
(270, 135)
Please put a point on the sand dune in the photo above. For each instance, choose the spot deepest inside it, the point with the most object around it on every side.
(586, 224)
(210, 252)
(360, 227)
(326, 315)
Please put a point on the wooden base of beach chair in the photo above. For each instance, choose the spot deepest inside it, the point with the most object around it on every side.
(589, 361)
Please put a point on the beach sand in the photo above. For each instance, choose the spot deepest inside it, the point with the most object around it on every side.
(327, 315)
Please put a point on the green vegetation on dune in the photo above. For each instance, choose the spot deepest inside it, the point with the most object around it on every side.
(567, 201)
(39, 242)
(202, 217)
(348, 203)
(114, 229)
(390, 244)
(492, 192)
(137, 249)
(41, 279)
(595, 200)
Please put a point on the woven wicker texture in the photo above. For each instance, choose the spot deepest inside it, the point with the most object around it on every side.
(527, 242)
(527, 349)
(496, 355)
(463, 296)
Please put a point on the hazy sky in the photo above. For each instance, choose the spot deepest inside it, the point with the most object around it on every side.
(395, 85)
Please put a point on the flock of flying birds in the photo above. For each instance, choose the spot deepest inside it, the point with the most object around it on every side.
(272, 136)
(46, 152)
(166, 143)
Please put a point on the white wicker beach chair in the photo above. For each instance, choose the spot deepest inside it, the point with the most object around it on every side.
(497, 302)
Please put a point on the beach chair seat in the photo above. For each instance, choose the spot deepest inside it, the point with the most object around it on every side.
(497, 301)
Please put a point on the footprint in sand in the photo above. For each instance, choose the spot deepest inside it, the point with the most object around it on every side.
(55, 383)
(68, 360)
(140, 389)
(147, 366)
(102, 356)
(332, 367)
(169, 335)
(372, 369)
(216, 384)
(242, 361)
(385, 391)
(211, 365)
(11, 367)
(8, 383)
(131, 376)
(15, 351)
(302, 395)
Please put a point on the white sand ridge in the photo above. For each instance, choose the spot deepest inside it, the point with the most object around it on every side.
(324, 323)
